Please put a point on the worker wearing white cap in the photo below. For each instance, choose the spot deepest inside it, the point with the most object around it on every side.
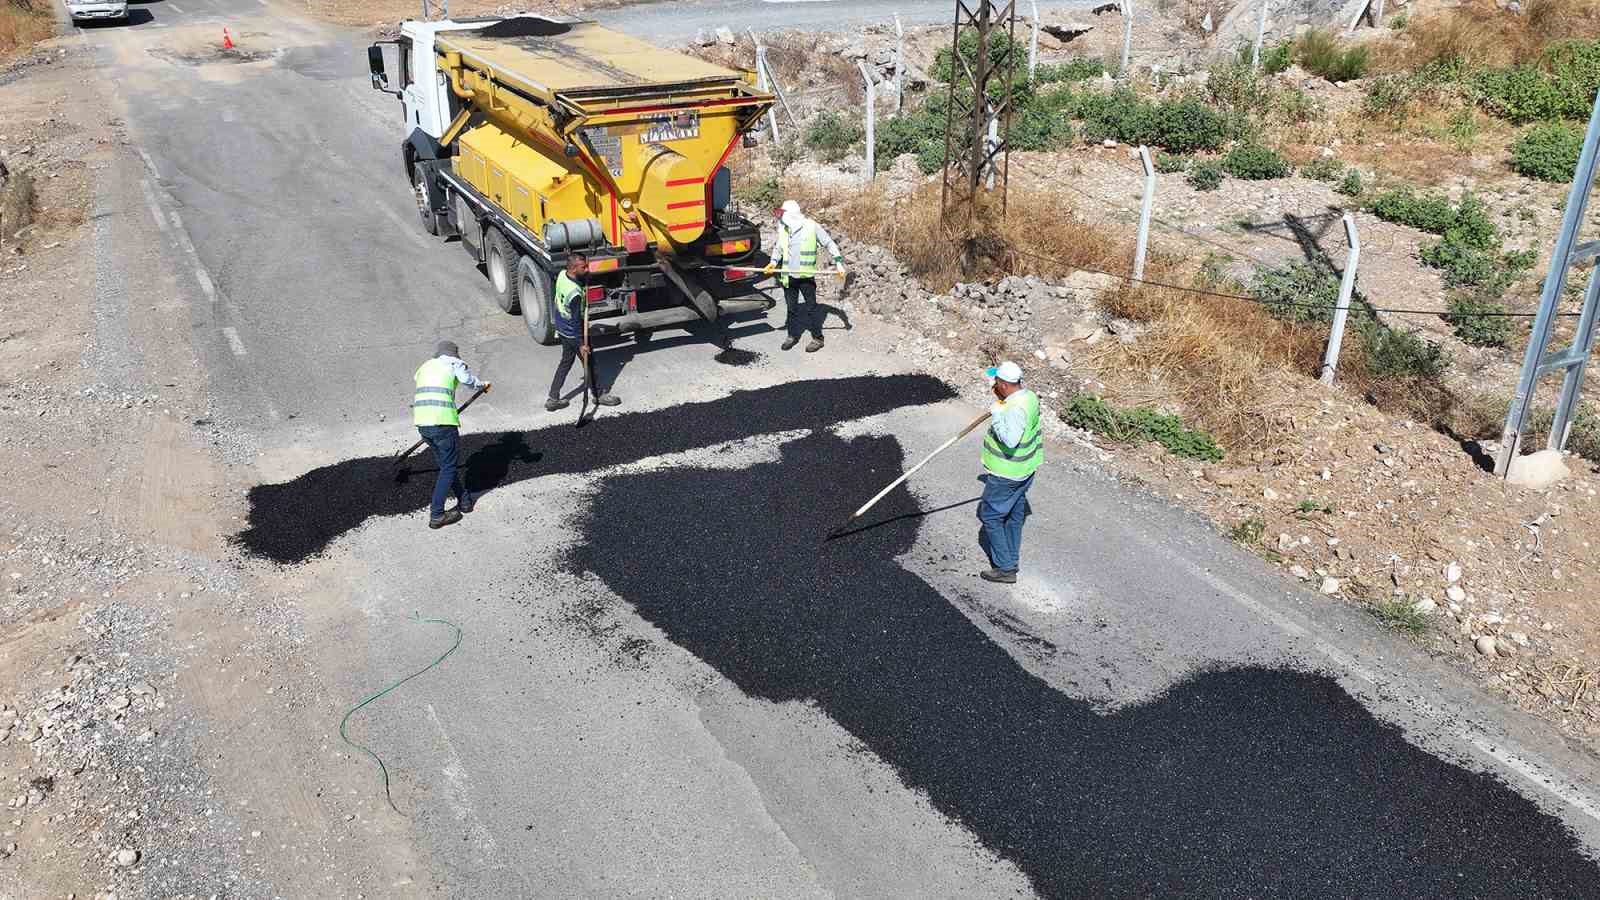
(1013, 448)
(795, 251)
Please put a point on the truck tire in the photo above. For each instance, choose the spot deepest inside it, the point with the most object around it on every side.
(420, 175)
(500, 261)
(538, 293)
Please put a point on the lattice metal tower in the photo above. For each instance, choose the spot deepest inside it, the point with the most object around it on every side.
(978, 125)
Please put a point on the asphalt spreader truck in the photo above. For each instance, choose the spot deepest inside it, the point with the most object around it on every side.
(533, 139)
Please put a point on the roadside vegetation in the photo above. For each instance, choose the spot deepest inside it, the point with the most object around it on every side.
(24, 23)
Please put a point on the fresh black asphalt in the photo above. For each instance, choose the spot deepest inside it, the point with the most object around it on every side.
(294, 520)
(1242, 782)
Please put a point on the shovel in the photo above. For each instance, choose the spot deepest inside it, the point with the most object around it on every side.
(400, 459)
(909, 472)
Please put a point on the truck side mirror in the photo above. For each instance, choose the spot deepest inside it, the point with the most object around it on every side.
(380, 78)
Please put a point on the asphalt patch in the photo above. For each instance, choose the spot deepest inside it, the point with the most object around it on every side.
(294, 520)
(1245, 782)
(732, 356)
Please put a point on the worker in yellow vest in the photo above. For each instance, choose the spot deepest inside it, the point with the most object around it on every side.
(1013, 448)
(433, 411)
(795, 250)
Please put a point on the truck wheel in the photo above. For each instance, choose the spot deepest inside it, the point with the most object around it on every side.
(419, 186)
(538, 293)
(500, 258)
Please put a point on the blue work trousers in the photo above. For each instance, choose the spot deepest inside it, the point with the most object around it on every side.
(443, 440)
(1002, 510)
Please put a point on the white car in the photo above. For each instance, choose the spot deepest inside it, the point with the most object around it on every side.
(98, 10)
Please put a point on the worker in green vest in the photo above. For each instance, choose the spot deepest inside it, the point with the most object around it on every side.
(433, 411)
(796, 251)
(570, 297)
(1013, 448)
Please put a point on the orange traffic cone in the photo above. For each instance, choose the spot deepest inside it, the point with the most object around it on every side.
(227, 42)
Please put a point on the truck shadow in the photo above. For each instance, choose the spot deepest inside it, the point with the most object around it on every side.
(1247, 782)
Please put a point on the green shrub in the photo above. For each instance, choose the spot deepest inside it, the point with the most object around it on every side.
(1237, 88)
(1399, 23)
(1401, 614)
(1187, 125)
(765, 193)
(1248, 531)
(1398, 354)
(1475, 267)
(1003, 52)
(1141, 423)
(1205, 175)
(1388, 95)
(1071, 70)
(1466, 316)
(1298, 292)
(1350, 185)
(1298, 107)
(833, 135)
(1254, 162)
(1574, 68)
(1518, 94)
(1278, 57)
(1321, 54)
(1323, 168)
(1547, 152)
(1425, 212)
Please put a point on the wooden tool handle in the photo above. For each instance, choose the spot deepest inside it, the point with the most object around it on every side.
(912, 471)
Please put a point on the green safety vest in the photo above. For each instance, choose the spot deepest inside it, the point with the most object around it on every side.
(435, 400)
(1016, 463)
(567, 313)
(808, 252)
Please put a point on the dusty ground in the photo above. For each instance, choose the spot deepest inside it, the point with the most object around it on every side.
(388, 12)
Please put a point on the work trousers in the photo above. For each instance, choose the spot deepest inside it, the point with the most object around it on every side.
(1002, 510)
(444, 441)
(800, 302)
(569, 354)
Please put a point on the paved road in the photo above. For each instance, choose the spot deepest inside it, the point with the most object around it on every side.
(679, 21)
(669, 683)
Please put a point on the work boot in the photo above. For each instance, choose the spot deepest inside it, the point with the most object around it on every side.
(814, 346)
(608, 400)
(554, 404)
(998, 577)
(466, 504)
(450, 517)
(788, 343)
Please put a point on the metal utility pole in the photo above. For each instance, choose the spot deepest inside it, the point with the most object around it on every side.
(899, 64)
(872, 118)
(969, 149)
(763, 82)
(1572, 361)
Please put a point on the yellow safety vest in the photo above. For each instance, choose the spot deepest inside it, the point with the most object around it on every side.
(434, 403)
(807, 263)
(1016, 463)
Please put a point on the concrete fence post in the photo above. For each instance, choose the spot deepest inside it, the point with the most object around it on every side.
(872, 115)
(763, 82)
(899, 64)
(1127, 36)
(1033, 42)
(1142, 246)
(1347, 287)
(991, 143)
(1261, 31)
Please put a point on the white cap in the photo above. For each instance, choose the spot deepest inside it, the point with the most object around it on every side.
(1006, 371)
(789, 206)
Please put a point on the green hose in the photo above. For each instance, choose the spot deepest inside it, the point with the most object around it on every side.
(382, 769)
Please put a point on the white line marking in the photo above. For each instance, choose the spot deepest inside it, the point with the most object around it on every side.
(148, 162)
(206, 284)
(234, 343)
(182, 235)
(175, 7)
(1531, 772)
(227, 115)
(1344, 661)
(155, 208)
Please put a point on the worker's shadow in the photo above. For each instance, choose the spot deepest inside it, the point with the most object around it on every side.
(613, 353)
(487, 468)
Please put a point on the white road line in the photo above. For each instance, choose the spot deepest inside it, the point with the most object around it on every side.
(148, 162)
(175, 7)
(155, 208)
(181, 234)
(227, 115)
(234, 343)
(206, 284)
(1533, 774)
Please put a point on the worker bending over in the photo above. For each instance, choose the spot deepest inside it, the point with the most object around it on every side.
(1013, 448)
(570, 329)
(796, 252)
(433, 411)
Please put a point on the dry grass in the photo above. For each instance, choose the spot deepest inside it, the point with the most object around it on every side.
(24, 23)
(1480, 33)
